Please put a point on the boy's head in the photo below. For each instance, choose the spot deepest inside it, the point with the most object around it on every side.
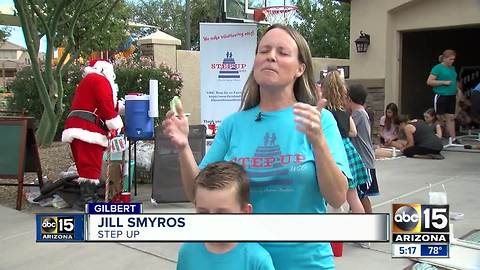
(357, 94)
(222, 187)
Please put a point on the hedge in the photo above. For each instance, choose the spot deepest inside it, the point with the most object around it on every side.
(132, 75)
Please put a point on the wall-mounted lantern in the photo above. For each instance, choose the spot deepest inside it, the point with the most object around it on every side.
(362, 42)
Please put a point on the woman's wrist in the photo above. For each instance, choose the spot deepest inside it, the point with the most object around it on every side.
(320, 144)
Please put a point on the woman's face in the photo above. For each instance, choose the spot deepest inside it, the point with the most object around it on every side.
(276, 62)
(389, 113)
(449, 60)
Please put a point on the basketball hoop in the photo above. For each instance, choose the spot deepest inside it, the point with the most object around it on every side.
(275, 14)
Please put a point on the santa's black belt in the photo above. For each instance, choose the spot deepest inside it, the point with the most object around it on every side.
(90, 117)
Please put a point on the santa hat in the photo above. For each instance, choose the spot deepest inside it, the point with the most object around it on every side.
(102, 67)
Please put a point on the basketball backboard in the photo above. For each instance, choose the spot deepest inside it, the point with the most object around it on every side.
(242, 10)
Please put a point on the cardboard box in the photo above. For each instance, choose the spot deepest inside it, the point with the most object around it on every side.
(116, 177)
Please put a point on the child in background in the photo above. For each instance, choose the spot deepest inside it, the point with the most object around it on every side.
(334, 91)
(388, 129)
(462, 118)
(357, 95)
(223, 188)
(421, 141)
(431, 119)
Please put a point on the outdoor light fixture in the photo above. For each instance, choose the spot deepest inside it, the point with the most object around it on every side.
(362, 42)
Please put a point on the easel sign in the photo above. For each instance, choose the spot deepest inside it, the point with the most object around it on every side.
(18, 152)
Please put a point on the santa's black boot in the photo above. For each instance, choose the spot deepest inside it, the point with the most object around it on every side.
(88, 194)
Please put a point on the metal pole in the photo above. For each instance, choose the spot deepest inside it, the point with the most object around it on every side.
(188, 21)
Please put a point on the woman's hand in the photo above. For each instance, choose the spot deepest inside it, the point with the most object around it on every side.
(176, 127)
(308, 119)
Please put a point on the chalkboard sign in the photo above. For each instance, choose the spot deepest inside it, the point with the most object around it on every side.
(18, 152)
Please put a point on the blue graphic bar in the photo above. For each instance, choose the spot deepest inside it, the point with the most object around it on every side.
(228, 76)
(434, 251)
(60, 227)
(114, 208)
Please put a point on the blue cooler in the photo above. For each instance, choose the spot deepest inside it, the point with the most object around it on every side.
(138, 125)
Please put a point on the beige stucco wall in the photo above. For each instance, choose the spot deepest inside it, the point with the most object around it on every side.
(386, 20)
(165, 53)
(323, 63)
(188, 64)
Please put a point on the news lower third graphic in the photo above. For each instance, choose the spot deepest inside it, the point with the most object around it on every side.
(420, 230)
(60, 227)
(120, 222)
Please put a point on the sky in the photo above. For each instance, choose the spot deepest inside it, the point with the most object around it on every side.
(16, 34)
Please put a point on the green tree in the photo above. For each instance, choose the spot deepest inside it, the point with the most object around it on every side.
(170, 16)
(4, 33)
(167, 15)
(325, 24)
(79, 26)
(202, 11)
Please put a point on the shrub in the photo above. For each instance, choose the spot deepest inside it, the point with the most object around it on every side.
(132, 75)
(25, 93)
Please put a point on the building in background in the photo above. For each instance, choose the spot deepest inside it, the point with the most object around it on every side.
(406, 38)
(13, 58)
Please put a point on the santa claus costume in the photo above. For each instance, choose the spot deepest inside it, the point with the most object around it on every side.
(93, 116)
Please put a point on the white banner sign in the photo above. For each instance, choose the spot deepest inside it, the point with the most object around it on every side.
(227, 51)
(238, 227)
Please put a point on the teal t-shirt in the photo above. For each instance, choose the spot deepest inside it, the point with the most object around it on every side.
(444, 73)
(244, 256)
(281, 166)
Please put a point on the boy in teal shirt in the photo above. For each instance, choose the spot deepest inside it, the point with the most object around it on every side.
(223, 188)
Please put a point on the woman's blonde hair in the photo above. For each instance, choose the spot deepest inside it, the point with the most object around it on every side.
(304, 87)
(446, 54)
(334, 90)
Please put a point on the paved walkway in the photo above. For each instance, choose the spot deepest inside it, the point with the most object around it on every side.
(400, 180)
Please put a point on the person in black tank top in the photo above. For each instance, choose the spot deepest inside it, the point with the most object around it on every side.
(421, 140)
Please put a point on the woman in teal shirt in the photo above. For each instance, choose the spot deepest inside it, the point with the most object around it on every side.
(443, 79)
(289, 145)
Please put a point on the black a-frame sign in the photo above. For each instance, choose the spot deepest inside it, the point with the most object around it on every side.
(18, 152)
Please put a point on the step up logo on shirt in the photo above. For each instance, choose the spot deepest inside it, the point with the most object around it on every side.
(228, 69)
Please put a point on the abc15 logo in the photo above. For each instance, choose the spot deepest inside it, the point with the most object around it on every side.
(57, 224)
(420, 218)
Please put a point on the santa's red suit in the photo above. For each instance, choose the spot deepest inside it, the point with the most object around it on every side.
(92, 115)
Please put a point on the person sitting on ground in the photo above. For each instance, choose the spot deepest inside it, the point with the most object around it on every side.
(462, 117)
(432, 121)
(475, 99)
(388, 129)
(223, 188)
(421, 141)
